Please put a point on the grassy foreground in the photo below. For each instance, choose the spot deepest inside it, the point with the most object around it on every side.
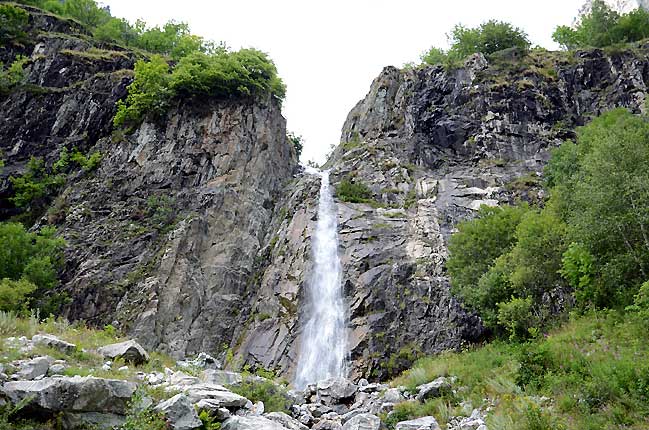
(591, 373)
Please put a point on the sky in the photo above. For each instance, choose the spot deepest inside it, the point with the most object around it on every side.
(328, 52)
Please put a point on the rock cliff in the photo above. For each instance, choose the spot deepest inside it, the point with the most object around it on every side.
(194, 232)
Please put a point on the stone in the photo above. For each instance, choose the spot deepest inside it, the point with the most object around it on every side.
(214, 407)
(423, 423)
(129, 351)
(219, 396)
(56, 369)
(34, 368)
(257, 408)
(221, 377)
(180, 413)
(182, 379)
(363, 422)
(392, 395)
(325, 424)
(53, 342)
(286, 421)
(251, 423)
(336, 389)
(72, 394)
(433, 389)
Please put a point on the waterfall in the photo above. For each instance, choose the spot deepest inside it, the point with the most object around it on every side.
(323, 349)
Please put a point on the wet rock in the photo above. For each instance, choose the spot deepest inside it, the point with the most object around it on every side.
(129, 351)
(180, 413)
(424, 423)
(53, 342)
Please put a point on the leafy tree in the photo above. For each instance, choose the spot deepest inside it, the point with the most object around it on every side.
(488, 38)
(29, 263)
(12, 22)
(149, 93)
(608, 197)
(479, 242)
(85, 11)
(600, 26)
(491, 36)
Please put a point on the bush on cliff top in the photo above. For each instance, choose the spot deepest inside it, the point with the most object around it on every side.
(12, 22)
(246, 72)
(488, 38)
(600, 26)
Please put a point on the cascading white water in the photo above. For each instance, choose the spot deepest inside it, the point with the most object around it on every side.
(323, 349)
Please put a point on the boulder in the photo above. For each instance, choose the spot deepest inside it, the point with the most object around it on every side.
(180, 413)
(336, 389)
(423, 423)
(34, 368)
(433, 389)
(221, 377)
(363, 422)
(251, 423)
(71, 394)
(181, 378)
(214, 408)
(130, 351)
(286, 421)
(392, 395)
(327, 425)
(56, 369)
(219, 396)
(53, 342)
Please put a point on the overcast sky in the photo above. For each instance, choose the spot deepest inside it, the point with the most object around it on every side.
(328, 52)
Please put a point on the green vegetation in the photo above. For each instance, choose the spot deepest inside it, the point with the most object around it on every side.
(353, 192)
(12, 22)
(601, 26)
(274, 396)
(488, 38)
(297, 142)
(246, 72)
(12, 76)
(596, 368)
(520, 267)
(29, 263)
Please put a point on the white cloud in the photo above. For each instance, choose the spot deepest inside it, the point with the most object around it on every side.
(329, 52)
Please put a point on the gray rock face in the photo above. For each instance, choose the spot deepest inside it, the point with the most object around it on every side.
(363, 422)
(129, 351)
(53, 342)
(251, 423)
(180, 413)
(71, 394)
(424, 423)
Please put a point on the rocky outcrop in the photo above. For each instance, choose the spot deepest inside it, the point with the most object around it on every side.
(432, 146)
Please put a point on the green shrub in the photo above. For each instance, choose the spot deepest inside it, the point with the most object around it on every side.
(601, 26)
(12, 76)
(489, 37)
(246, 72)
(29, 263)
(474, 249)
(517, 317)
(577, 268)
(274, 396)
(143, 418)
(353, 192)
(35, 185)
(12, 22)
(297, 142)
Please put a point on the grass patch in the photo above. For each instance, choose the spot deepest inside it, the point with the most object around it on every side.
(595, 369)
